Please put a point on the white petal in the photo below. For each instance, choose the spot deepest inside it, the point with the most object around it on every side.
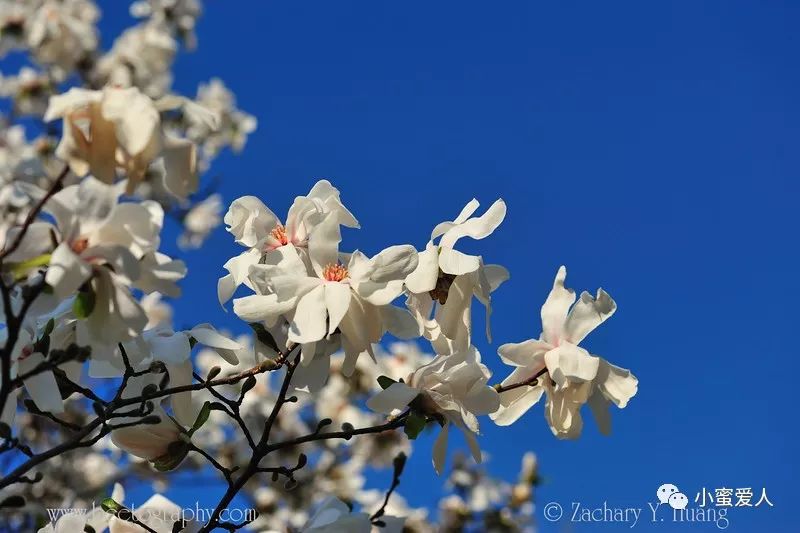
(135, 117)
(66, 272)
(440, 449)
(462, 217)
(42, 387)
(395, 397)
(523, 353)
(257, 308)
(308, 324)
(474, 448)
(170, 348)
(587, 314)
(570, 363)
(249, 220)
(180, 375)
(206, 334)
(616, 384)
(424, 277)
(323, 244)
(555, 308)
(337, 301)
(180, 166)
(457, 263)
(476, 228)
(312, 376)
(400, 322)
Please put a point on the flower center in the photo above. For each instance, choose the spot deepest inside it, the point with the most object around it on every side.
(279, 234)
(334, 272)
(25, 353)
(442, 289)
(79, 245)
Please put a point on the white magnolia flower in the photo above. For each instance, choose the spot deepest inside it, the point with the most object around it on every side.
(173, 348)
(253, 225)
(572, 376)
(148, 441)
(452, 278)
(235, 125)
(67, 523)
(30, 90)
(104, 248)
(142, 57)
(199, 221)
(452, 387)
(76, 521)
(120, 128)
(41, 386)
(353, 298)
(158, 513)
(334, 516)
(62, 33)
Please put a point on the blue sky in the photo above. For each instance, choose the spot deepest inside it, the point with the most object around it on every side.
(649, 146)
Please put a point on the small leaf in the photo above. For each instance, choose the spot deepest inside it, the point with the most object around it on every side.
(202, 417)
(110, 506)
(414, 425)
(83, 305)
(385, 382)
(49, 327)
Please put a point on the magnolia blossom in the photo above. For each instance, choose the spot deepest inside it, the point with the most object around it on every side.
(140, 57)
(41, 386)
(452, 388)
(353, 298)
(572, 376)
(103, 246)
(120, 128)
(62, 32)
(96, 519)
(235, 125)
(148, 441)
(199, 221)
(158, 513)
(452, 278)
(174, 350)
(334, 516)
(253, 225)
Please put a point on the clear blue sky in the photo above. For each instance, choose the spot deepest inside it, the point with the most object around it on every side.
(649, 146)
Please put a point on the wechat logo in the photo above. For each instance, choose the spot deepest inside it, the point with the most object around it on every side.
(671, 495)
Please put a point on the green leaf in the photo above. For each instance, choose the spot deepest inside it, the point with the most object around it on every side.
(385, 382)
(109, 505)
(49, 327)
(202, 417)
(83, 304)
(20, 270)
(414, 425)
